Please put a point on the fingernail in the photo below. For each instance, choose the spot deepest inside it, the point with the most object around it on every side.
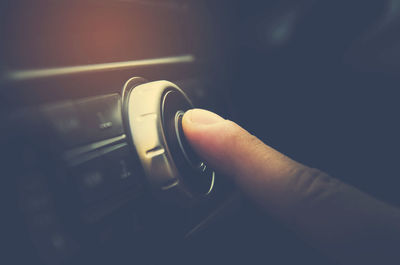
(201, 116)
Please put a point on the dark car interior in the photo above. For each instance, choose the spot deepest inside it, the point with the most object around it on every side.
(316, 80)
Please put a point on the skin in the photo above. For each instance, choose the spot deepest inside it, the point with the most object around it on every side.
(345, 223)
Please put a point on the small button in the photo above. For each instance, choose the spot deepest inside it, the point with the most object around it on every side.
(65, 122)
(92, 181)
(101, 116)
(107, 175)
(123, 168)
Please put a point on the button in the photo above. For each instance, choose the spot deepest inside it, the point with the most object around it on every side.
(65, 122)
(92, 181)
(107, 175)
(84, 121)
(123, 167)
(101, 116)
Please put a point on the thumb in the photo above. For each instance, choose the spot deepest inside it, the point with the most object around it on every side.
(340, 220)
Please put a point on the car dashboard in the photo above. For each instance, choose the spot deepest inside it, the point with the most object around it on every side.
(73, 175)
(305, 76)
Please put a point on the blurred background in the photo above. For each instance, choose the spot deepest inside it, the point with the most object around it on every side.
(317, 80)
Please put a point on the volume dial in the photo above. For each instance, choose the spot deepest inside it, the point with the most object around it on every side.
(153, 116)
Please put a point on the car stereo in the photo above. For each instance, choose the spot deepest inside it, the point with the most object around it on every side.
(81, 164)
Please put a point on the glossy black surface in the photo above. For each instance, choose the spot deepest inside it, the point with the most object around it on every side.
(198, 181)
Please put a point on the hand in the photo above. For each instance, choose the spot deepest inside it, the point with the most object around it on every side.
(345, 223)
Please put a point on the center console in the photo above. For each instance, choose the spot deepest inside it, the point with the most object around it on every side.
(97, 173)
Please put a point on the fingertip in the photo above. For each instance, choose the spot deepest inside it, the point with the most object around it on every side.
(201, 116)
(198, 125)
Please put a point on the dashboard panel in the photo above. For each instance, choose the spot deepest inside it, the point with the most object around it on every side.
(75, 182)
(79, 178)
(291, 72)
